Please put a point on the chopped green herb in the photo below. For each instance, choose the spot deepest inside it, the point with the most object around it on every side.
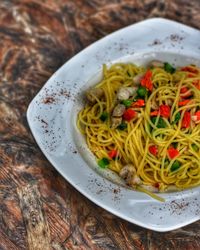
(195, 147)
(127, 103)
(128, 74)
(177, 117)
(175, 144)
(160, 124)
(142, 91)
(175, 166)
(104, 116)
(103, 163)
(122, 126)
(169, 68)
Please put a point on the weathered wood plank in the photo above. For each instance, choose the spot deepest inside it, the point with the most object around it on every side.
(5, 243)
(38, 234)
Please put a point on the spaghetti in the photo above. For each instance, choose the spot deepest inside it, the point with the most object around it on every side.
(144, 124)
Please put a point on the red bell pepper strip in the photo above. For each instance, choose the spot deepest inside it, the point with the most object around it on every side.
(153, 150)
(164, 111)
(146, 80)
(189, 69)
(112, 154)
(196, 116)
(129, 114)
(185, 92)
(154, 113)
(139, 103)
(196, 83)
(186, 120)
(172, 152)
(183, 103)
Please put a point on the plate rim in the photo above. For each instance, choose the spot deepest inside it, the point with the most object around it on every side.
(89, 196)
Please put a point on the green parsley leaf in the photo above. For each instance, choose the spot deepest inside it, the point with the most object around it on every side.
(104, 116)
(127, 103)
(142, 91)
(195, 147)
(175, 166)
(103, 163)
(161, 123)
(169, 68)
(122, 126)
(177, 117)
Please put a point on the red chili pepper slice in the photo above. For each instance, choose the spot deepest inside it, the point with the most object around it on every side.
(183, 103)
(146, 80)
(186, 120)
(139, 103)
(172, 152)
(164, 111)
(112, 154)
(129, 114)
(189, 69)
(153, 150)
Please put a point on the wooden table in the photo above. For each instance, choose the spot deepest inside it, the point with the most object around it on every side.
(39, 209)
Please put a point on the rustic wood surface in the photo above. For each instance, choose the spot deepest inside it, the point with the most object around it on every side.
(38, 208)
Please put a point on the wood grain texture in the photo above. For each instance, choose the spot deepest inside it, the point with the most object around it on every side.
(37, 228)
(36, 38)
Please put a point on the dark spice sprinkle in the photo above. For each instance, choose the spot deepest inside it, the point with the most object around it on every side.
(43, 121)
(49, 100)
(65, 93)
(176, 38)
(156, 42)
(116, 190)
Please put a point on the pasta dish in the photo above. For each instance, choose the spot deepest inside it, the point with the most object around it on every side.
(144, 124)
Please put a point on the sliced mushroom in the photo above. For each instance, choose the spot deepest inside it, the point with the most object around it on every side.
(138, 78)
(125, 92)
(115, 121)
(118, 110)
(128, 173)
(157, 64)
(94, 94)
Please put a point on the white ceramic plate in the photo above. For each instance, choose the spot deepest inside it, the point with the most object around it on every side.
(52, 119)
